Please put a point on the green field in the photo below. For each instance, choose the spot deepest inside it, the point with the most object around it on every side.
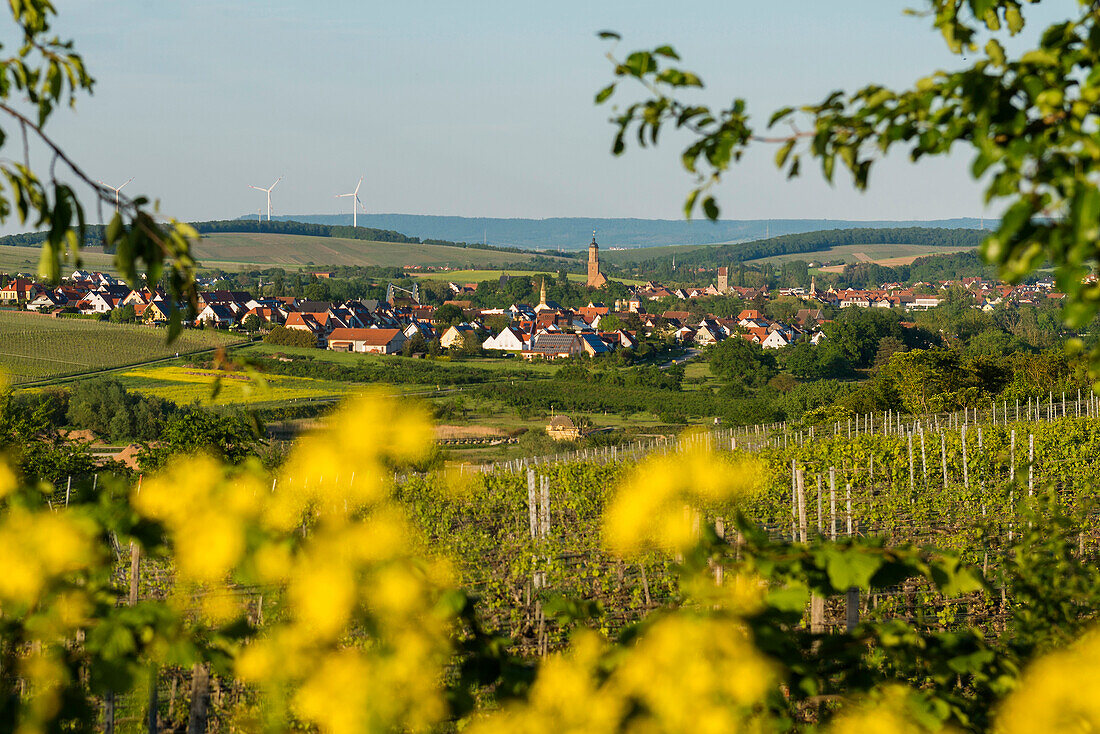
(476, 276)
(236, 251)
(15, 259)
(184, 385)
(37, 347)
(883, 254)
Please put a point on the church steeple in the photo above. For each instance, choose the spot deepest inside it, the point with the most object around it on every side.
(596, 279)
(542, 293)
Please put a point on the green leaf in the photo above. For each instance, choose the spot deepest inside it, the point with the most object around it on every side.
(666, 51)
(609, 34)
(604, 93)
(851, 567)
(784, 153)
(710, 208)
(788, 599)
(689, 205)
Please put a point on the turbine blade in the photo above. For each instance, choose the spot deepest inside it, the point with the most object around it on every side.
(124, 185)
(358, 185)
(276, 182)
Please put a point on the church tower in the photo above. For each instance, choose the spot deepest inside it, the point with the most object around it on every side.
(542, 294)
(596, 279)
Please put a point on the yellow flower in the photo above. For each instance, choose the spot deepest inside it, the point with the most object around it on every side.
(658, 507)
(891, 710)
(1059, 693)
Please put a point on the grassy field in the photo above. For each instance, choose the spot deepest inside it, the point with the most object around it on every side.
(262, 250)
(37, 347)
(476, 276)
(25, 260)
(881, 254)
(183, 385)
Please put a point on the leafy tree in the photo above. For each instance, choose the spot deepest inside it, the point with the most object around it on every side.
(251, 323)
(290, 337)
(231, 438)
(122, 315)
(741, 362)
(448, 315)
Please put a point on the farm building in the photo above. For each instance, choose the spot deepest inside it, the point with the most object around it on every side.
(377, 341)
(562, 428)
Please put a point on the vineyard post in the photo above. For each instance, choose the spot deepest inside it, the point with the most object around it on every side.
(1063, 403)
(200, 699)
(794, 501)
(720, 531)
(817, 613)
(1017, 410)
(911, 484)
(871, 469)
(800, 483)
(966, 469)
(68, 487)
(532, 507)
(1012, 456)
(832, 503)
(848, 507)
(943, 456)
(820, 518)
(1030, 464)
(923, 458)
(851, 609)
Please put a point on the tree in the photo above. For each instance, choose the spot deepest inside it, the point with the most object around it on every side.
(122, 315)
(448, 315)
(1029, 119)
(251, 323)
(741, 362)
(290, 337)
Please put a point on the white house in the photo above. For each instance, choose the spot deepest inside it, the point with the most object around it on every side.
(509, 340)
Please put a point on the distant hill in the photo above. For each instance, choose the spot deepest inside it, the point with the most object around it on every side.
(574, 233)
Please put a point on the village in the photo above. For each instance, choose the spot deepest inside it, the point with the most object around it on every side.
(546, 330)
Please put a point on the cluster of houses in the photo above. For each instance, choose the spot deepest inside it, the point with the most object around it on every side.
(546, 331)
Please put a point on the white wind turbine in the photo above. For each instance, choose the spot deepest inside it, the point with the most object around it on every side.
(268, 192)
(355, 200)
(116, 189)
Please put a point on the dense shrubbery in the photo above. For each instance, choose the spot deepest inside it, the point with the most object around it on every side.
(105, 407)
(285, 337)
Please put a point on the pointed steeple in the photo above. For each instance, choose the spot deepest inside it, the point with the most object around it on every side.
(813, 285)
(542, 293)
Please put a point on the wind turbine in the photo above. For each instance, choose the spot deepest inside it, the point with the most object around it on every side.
(268, 192)
(116, 189)
(354, 201)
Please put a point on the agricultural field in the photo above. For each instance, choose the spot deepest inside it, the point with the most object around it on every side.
(183, 385)
(14, 259)
(36, 347)
(883, 254)
(638, 254)
(241, 251)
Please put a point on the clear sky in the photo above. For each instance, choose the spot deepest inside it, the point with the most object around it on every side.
(480, 108)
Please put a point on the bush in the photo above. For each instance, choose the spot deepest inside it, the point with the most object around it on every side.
(285, 337)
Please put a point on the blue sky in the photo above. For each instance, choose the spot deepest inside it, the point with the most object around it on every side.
(473, 109)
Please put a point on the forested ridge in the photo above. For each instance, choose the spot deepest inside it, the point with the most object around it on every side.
(823, 240)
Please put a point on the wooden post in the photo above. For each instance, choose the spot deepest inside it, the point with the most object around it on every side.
(832, 502)
(109, 713)
(200, 699)
(794, 502)
(1030, 464)
(135, 571)
(532, 504)
(801, 506)
(966, 469)
(820, 512)
(911, 483)
(851, 609)
(848, 500)
(817, 614)
(1012, 456)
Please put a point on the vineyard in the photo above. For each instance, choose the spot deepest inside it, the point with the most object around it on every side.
(36, 347)
(942, 553)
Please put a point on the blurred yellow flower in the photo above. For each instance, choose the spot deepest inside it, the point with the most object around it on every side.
(655, 508)
(1059, 693)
